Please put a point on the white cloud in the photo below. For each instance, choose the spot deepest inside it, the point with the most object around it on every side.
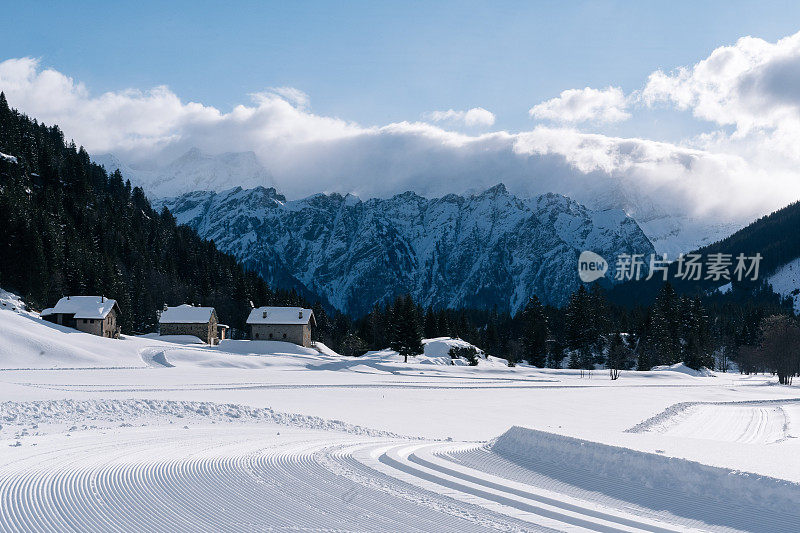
(296, 97)
(477, 116)
(751, 90)
(307, 153)
(751, 85)
(583, 105)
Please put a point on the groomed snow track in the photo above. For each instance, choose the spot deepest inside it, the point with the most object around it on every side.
(146, 479)
(303, 474)
(754, 421)
(258, 480)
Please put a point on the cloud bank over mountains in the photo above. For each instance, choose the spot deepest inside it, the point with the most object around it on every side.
(745, 164)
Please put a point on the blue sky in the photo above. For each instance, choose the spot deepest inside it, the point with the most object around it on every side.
(380, 62)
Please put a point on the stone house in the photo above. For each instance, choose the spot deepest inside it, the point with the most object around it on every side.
(97, 315)
(290, 324)
(200, 322)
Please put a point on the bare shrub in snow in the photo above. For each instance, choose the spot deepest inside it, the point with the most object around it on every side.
(617, 353)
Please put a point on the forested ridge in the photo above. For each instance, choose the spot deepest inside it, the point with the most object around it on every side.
(775, 237)
(68, 227)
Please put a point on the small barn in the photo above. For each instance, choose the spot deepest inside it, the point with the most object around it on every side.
(290, 324)
(97, 315)
(186, 319)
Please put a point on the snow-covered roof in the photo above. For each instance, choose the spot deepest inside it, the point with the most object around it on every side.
(83, 306)
(280, 315)
(186, 314)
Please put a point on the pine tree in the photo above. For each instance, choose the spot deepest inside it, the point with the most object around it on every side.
(664, 330)
(694, 335)
(534, 332)
(580, 329)
(431, 328)
(406, 331)
(394, 327)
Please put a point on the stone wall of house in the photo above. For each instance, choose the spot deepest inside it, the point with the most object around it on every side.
(90, 325)
(206, 332)
(110, 325)
(106, 327)
(297, 333)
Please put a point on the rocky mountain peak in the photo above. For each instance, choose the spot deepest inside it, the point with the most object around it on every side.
(454, 251)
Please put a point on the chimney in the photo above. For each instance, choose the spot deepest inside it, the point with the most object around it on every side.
(300, 315)
(102, 299)
(264, 315)
(165, 306)
(67, 296)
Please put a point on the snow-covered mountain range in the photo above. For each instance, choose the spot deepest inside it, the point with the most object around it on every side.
(479, 250)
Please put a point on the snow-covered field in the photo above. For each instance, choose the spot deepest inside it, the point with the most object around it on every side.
(149, 433)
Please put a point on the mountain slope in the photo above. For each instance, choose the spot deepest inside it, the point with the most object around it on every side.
(473, 251)
(669, 229)
(774, 236)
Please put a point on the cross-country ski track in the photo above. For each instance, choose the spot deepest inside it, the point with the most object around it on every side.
(291, 473)
(284, 480)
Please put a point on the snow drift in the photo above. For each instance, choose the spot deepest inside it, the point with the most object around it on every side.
(436, 351)
(666, 474)
(683, 369)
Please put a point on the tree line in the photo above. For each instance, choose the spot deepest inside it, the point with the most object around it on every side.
(589, 332)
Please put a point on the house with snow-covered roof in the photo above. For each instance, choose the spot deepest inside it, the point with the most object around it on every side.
(97, 315)
(186, 319)
(290, 324)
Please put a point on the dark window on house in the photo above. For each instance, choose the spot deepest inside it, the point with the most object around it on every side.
(270, 335)
(84, 321)
(284, 335)
(256, 335)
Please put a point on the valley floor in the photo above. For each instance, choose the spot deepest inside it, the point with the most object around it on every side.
(142, 434)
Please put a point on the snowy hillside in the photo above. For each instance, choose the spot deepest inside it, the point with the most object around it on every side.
(30, 342)
(670, 230)
(478, 251)
(786, 281)
(193, 171)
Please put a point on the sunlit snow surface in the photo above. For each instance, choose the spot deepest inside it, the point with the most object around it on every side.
(158, 434)
(786, 281)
